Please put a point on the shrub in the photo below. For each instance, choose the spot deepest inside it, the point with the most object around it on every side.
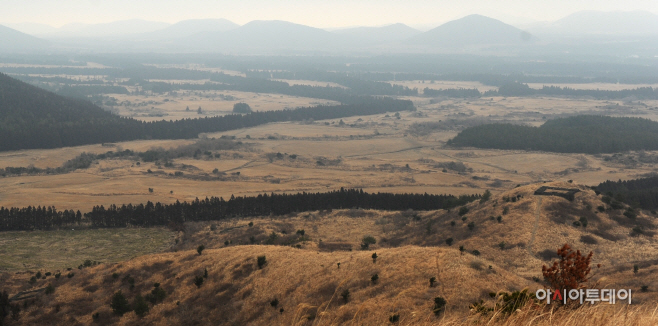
(511, 302)
(499, 219)
(374, 257)
(251, 224)
(261, 260)
(205, 273)
(588, 239)
(505, 210)
(367, 241)
(274, 302)
(600, 208)
(471, 226)
(439, 305)
(226, 243)
(301, 232)
(463, 210)
(630, 214)
(374, 278)
(198, 281)
(502, 245)
(485, 196)
(157, 294)
(464, 219)
(583, 221)
(281, 310)
(119, 304)
(346, 295)
(570, 272)
(475, 252)
(115, 275)
(636, 269)
(150, 189)
(140, 305)
(50, 289)
(58, 275)
(48, 274)
(644, 288)
(462, 249)
(616, 205)
(432, 281)
(32, 280)
(576, 223)
(241, 108)
(200, 248)
(452, 223)
(38, 275)
(394, 318)
(449, 241)
(70, 275)
(96, 316)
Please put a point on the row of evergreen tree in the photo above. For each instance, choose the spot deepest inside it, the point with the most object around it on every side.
(518, 89)
(578, 134)
(158, 214)
(642, 192)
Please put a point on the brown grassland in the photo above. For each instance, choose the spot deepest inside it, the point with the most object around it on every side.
(307, 280)
(380, 153)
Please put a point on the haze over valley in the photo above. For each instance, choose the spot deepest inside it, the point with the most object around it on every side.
(333, 163)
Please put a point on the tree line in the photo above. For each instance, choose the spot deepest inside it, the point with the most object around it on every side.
(578, 134)
(214, 208)
(642, 192)
(34, 118)
(518, 89)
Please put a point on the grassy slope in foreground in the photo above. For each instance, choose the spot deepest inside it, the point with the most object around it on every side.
(307, 285)
(579, 134)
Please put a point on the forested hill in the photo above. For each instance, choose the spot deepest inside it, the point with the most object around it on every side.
(578, 134)
(31, 117)
(642, 192)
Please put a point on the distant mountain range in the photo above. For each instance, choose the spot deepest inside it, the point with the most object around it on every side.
(472, 30)
(12, 40)
(600, 23)
(470, 33)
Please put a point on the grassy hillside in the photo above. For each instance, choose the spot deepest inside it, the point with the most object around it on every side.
(302, 272)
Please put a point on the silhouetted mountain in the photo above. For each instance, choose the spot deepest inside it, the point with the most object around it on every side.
(12, 40)
(378, 35)
(599, 22)
(191, 27)
(117, 28)
(473, 30)
(264, 36)
(33, 28)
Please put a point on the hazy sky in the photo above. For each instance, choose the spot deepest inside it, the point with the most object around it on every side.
(318, 13)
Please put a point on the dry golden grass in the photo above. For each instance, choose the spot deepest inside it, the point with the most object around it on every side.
(307, 281)
(158, 107)
(373, 151)
(306, 284)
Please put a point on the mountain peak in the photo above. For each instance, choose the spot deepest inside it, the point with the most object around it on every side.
(473, 30)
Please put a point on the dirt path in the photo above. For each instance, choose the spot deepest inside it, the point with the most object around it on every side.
(534, 228)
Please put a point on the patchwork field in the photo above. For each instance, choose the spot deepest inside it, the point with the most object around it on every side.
(377, 153)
